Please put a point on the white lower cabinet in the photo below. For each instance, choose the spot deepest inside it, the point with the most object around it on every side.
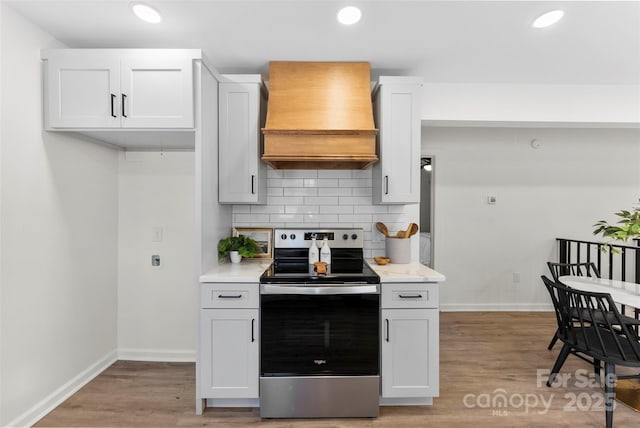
(410, 341)
(409, 356)
(229, 353)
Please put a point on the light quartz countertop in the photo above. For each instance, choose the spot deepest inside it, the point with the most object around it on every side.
(245, 271)
(250, 271)
(406, 272)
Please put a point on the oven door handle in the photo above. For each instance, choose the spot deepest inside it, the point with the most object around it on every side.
(328, 290)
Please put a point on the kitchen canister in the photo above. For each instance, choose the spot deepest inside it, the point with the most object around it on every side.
(398, 249)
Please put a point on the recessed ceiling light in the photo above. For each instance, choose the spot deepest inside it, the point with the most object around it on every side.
(349, 15)
(146, 12)
(547, 19)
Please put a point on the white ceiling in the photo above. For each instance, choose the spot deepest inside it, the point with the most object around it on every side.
(598, 42)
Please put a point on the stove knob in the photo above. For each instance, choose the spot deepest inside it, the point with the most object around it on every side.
(354, 236)
(292, 236)
(283, 236)
(345, 236)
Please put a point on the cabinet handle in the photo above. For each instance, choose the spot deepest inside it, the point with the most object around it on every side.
(124, 98)
(253, 177)
(113, 97)
(386, 184)
(253, 322)
(229, 296)
(410, 296)
(387, 323)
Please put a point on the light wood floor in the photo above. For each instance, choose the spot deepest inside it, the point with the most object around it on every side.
(480, 352)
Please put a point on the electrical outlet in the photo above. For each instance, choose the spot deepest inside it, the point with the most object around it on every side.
(516, 277)
(155, 260)
(491, 199)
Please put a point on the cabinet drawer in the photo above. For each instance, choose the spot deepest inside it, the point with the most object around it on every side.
(240, 295)
(410, 295)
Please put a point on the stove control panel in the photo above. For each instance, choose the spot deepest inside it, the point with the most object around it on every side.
(301, 238)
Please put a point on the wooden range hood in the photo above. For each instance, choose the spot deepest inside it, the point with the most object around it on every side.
(319, 116)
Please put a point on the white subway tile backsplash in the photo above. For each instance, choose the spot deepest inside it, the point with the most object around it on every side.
(361, 173)
(391, 218)
(251, 218)
(285, 200)
(397, 208)
(305, 224)
(300, 173)
(363, 191)
(286, 218)
(354, 200)
(327, 182)
(321, 218)
(354, 182)
(267, 209)
(335, 191)
(285, 182)
(275, 191)
(336, 209)
(367, 227)
(370, 209)
(323, 198)
(334, 173)
(355, 218)
(302, 209)
(300, 191)
(275, 173)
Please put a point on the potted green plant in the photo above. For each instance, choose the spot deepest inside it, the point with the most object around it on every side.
(237, 247)
(628, 227)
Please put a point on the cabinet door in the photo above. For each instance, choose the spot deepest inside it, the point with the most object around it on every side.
(241, 173)
(83, 92)
(229, 353)
(157, 92)
(410, 361)
(397, 175)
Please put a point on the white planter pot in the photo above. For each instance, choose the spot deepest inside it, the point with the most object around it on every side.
(235, 256)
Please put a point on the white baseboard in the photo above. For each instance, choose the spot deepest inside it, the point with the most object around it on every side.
(496, 307)
(166, 355)
(46, 405)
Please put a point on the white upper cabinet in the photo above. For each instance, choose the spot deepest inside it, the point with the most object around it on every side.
(82, 92)
(396, 177)
(119, 88)
(242, 175)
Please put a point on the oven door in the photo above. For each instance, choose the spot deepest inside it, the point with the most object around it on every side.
(319, 331)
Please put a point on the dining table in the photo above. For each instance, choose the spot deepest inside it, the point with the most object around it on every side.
(622, 292)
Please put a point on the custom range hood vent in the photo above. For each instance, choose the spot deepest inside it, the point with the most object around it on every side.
(319, 116)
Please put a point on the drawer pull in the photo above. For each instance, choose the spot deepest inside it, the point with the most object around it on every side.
(410, 296)
(229, 296)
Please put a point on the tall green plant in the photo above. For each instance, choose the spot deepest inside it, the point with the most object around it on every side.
(628, 227)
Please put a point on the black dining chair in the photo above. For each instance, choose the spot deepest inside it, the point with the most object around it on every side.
(587, 269)
(590, 326)
(576, 269)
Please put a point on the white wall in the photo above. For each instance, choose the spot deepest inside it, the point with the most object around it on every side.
(575, 177)
(156, 305)
(58, 249)
(327, 198)
(585, 105)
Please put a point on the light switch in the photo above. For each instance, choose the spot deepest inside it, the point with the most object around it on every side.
(491, 199)
(156, 234)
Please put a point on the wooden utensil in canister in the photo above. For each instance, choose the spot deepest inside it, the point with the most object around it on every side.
(382, 228)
